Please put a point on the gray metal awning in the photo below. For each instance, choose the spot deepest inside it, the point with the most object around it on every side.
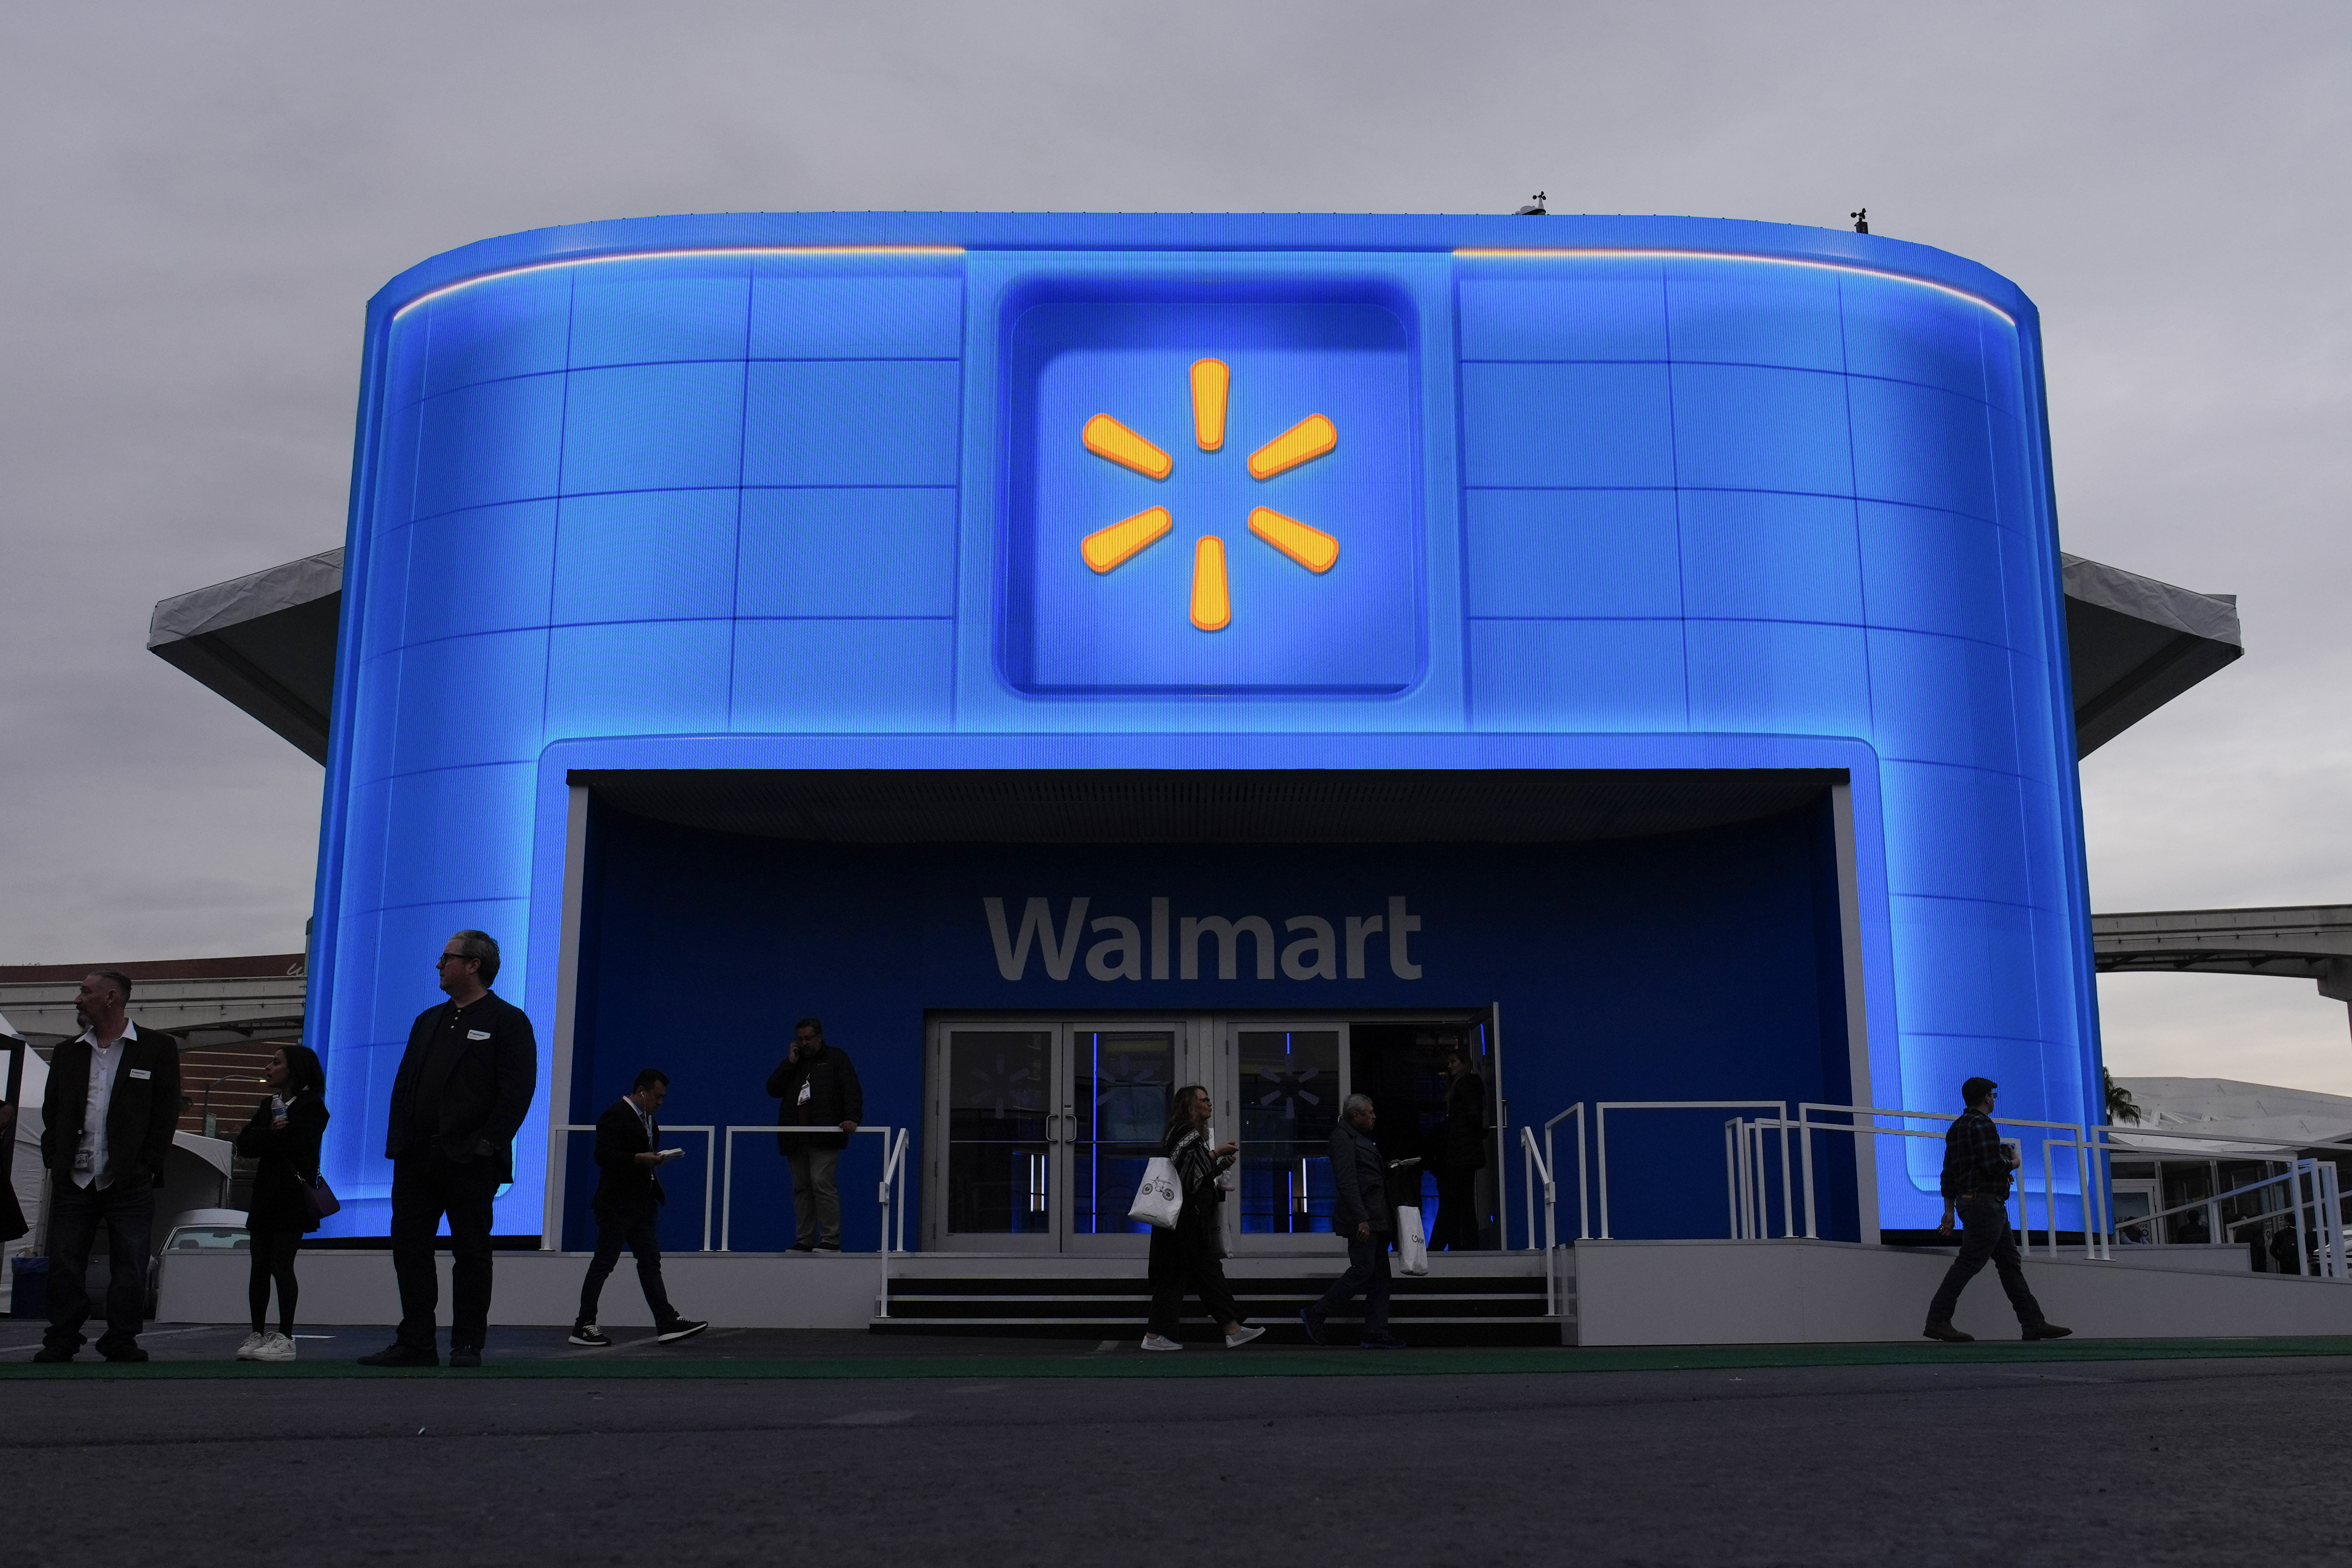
(2133, 644)
(266, 643)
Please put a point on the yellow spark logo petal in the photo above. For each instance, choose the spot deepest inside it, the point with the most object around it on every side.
(1106, 549)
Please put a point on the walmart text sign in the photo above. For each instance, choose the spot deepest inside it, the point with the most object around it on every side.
(1317, 951)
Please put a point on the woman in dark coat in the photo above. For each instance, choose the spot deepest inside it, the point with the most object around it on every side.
(283, 1136)
(1186, 1258)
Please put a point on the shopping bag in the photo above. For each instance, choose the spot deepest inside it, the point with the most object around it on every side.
(1412, 1243)
(1160, 1196)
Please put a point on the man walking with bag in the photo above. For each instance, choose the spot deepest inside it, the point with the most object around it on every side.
(1977, 1168)
(1360, 1212)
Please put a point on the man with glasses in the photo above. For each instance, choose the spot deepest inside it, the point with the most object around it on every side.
(1977, 1168)
(464, 1085)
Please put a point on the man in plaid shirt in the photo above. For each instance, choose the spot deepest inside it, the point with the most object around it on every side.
(1976, 1166)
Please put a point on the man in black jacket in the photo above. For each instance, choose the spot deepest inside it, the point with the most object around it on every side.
(464, 1085)
(107, 1119)
(817, 1087)
(1360, 1211)
(627, 1206)
(1976, 1167)
(1460, 1153)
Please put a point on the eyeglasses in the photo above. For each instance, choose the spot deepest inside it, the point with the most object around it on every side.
(449, 958)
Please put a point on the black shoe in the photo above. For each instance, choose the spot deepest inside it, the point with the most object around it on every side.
(804, 1247)
(592, 1336)
(53, 1354)
(398, 1354)
(124, 1353)
(828, 1247)
(1312, 1324)
(465, 1355)
(684, 1328)
(1948, 1334)
(2046, 1331)
(1381, 1343)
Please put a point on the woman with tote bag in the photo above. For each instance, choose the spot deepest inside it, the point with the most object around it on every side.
(283, 1137)
(1184, 1257)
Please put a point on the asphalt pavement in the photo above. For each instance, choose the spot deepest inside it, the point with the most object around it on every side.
(849, 1449)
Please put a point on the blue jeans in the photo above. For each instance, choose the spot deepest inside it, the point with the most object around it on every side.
(1368, 1274)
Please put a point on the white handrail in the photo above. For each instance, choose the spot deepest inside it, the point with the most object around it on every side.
(894, 1164)
(710, 1163)
(727, 1192)
(1584, 1199)
(1534, 1162)
(1601, 1138)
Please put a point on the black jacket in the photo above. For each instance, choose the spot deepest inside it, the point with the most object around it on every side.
(1461, 1142)
(833, 1097)
(485, 1086)
(625, 1189)
(288, 1162)
(139, 1117)
(1359, 1182)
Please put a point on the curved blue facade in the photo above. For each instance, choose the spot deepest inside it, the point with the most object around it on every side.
(805, 492)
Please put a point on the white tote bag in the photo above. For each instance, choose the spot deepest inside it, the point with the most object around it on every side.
(1160, 1196)
(1412, 1243)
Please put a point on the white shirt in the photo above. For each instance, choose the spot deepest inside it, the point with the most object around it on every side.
(93, 1162)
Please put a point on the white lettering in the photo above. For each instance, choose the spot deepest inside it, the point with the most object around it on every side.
(1401, 926)
(1228, 934)
(1296, 962)
(1360, 929)
(1036, 923)
(1125, 941)
(1159, 938)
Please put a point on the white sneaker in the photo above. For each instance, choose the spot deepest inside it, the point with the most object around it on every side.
(251, 1349)
(274, 1347)
(1160, 1342)
(1240, 1336)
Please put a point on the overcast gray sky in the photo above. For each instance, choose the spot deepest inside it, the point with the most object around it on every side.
(199, 200)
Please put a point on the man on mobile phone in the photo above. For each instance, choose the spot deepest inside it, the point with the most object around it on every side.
(816, 1087)
(627, 1206)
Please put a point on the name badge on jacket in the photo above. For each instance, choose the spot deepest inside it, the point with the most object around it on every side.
(478, 1034)
(141, 1072)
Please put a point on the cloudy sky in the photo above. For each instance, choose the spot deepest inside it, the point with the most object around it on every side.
(199, 200)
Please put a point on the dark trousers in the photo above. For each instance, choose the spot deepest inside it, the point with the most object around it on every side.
(127, 1210)
(1985, 1234)
(637, 1232)
(1186, 1259)
(816, 1198)
(273, 1262)
(1367, 1275)
(426, 1185)
(1457, 1218)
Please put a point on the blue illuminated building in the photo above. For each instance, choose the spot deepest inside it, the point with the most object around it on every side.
(1684, 715)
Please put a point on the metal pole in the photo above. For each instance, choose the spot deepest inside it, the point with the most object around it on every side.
(1601, 1140)
(1805, 1162)
(1788, 1187)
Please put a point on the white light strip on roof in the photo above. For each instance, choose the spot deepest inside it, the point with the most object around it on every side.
(660, 255)
(1574, 253)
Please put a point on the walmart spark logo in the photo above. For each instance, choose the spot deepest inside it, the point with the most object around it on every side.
(1106, 549)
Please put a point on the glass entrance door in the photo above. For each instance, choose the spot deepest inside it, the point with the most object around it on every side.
(1288, 1080)
(1048, 1127)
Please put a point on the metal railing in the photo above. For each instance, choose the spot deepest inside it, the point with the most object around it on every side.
(1806, 1127)
(710, 1162)
(1601, 1138)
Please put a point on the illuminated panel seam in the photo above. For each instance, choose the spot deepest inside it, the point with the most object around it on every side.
(661, 254)
(1513, 253)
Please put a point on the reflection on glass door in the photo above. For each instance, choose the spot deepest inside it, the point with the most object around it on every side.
(1289, 1090)
(1122, 1083)
(1000, 1166)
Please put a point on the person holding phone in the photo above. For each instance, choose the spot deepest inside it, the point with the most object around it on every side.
(627, 1206)
(1187, 1258)
(817, 1087)
(283, 1140)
